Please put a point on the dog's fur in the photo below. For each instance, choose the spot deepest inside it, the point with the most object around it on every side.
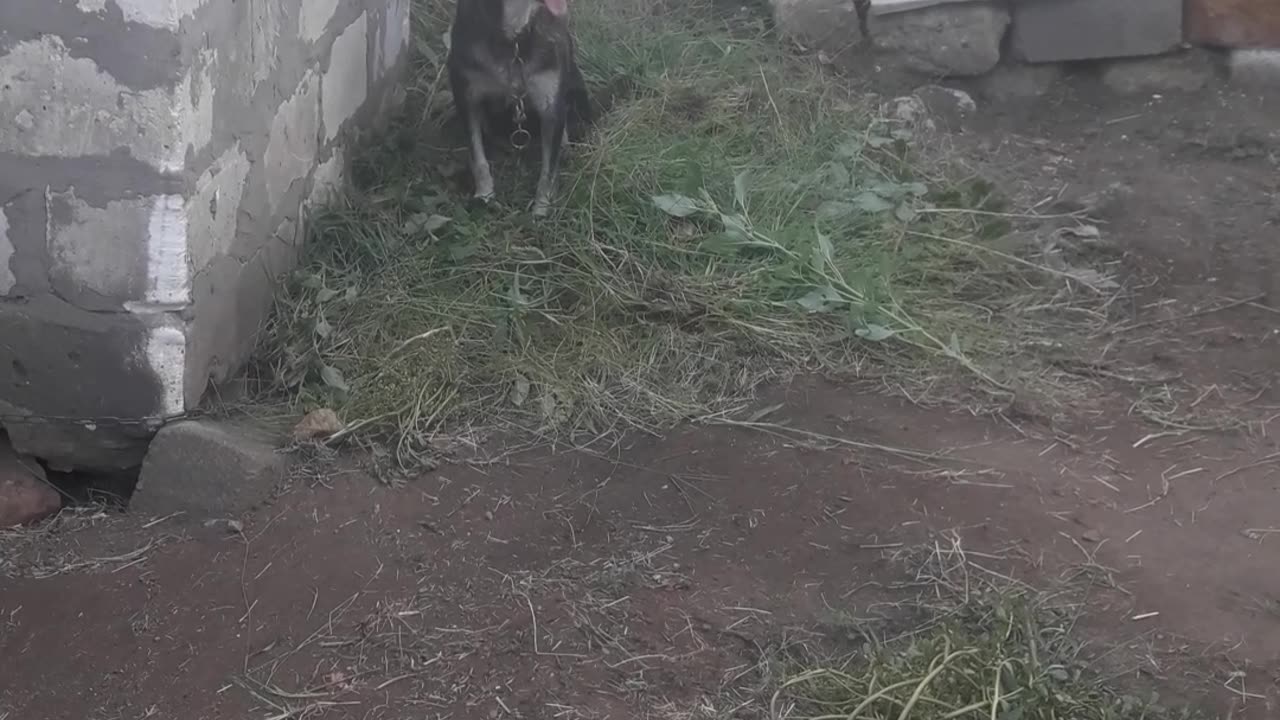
(504, 53)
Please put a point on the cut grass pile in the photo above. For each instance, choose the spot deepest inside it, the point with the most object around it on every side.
(736, 216)
(999, 658)
(983, 647)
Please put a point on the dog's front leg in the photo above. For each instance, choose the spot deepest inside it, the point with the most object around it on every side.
(553, 118)
(552, 145)
(473, 117)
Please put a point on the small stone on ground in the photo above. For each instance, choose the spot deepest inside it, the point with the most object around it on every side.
(317, 425)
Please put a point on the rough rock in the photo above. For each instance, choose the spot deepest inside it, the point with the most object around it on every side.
(25, 493)
(827, 25)
(1010, 82)
(910, 110)
(1181, 72)
(946, 105)
(208, 469)
(945, 40)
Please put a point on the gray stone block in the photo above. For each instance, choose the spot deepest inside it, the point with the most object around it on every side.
(1060, 30)
(1255, 69)
(945, 40)
(75, 375)
(208, 469)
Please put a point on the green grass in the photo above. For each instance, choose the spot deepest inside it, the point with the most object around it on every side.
(737, 216)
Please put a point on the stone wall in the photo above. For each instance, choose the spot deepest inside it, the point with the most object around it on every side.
(156, 160)
(971, 38)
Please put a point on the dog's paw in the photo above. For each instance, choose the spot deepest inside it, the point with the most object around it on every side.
(483, 187)
(481, 202)
(541, 208)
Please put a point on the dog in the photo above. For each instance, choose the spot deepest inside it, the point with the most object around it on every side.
(516, 60)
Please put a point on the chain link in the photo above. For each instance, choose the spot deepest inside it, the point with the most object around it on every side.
(105, 420)
(520, 137)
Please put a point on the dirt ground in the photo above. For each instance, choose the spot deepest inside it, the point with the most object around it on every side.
(646, 581)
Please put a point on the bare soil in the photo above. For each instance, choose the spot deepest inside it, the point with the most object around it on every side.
(649, 580)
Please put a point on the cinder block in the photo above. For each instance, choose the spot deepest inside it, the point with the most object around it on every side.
(294, 140)
(211, 216)
(394, 38)
(315, 17)
(58, 362)
(1060, 30)
(346, 82)
(329, 180)
(95, 259)
(65, 105)
(7, 278)
(1255, 69)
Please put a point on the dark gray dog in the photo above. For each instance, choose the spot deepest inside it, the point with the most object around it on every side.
(515, 61)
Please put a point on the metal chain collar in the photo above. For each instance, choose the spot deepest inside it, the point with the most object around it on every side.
(520, 137)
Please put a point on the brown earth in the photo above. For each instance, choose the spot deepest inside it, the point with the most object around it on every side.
(646, 582)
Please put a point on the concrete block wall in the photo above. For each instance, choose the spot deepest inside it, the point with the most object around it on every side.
(984, 38)
(157, 160)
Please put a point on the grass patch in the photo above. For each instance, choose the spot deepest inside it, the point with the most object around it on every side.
(735, 217)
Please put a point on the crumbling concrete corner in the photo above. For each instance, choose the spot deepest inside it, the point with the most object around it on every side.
(157, 159)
